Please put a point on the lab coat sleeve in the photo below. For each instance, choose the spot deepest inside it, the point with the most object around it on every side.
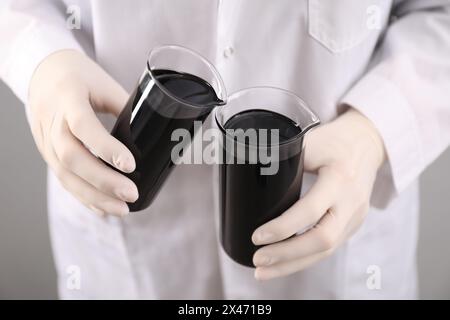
(406, 94)
(30, 30)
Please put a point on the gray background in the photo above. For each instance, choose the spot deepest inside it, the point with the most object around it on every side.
(26, 266)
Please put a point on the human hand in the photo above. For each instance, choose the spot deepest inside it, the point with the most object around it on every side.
(65, 92)
(346, 154)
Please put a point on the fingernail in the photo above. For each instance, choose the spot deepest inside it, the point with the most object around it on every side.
(128, 194)
(126, 164)
(262, 237)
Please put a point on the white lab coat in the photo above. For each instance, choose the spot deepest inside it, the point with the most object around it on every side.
(394, 69)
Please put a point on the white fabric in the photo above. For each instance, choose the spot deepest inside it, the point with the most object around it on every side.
(326, 52)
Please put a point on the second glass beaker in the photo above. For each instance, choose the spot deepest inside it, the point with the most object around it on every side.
(262, 170)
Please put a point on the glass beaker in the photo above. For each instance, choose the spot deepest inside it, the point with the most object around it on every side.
(260, 177)
(178, 87)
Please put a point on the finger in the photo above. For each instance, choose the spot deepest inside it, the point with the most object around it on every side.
(77, 159)
(93, 199)
(84, 124)
(323, 237)
(316, 151)
(286, 268)
(304, 213)
(89, 196)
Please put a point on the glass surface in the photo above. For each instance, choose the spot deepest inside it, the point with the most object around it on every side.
(249, 198)
(177, 88)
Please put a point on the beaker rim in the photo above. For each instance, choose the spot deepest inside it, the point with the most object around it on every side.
(315, 121)
(222, 94)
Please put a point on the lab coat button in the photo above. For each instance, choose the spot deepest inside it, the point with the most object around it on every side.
(228, 52)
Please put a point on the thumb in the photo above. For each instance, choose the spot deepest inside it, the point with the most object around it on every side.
(107, 95)
(315, 150)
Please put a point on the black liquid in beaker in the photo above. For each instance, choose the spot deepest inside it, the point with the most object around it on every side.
(250, 199)
(149, 118)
